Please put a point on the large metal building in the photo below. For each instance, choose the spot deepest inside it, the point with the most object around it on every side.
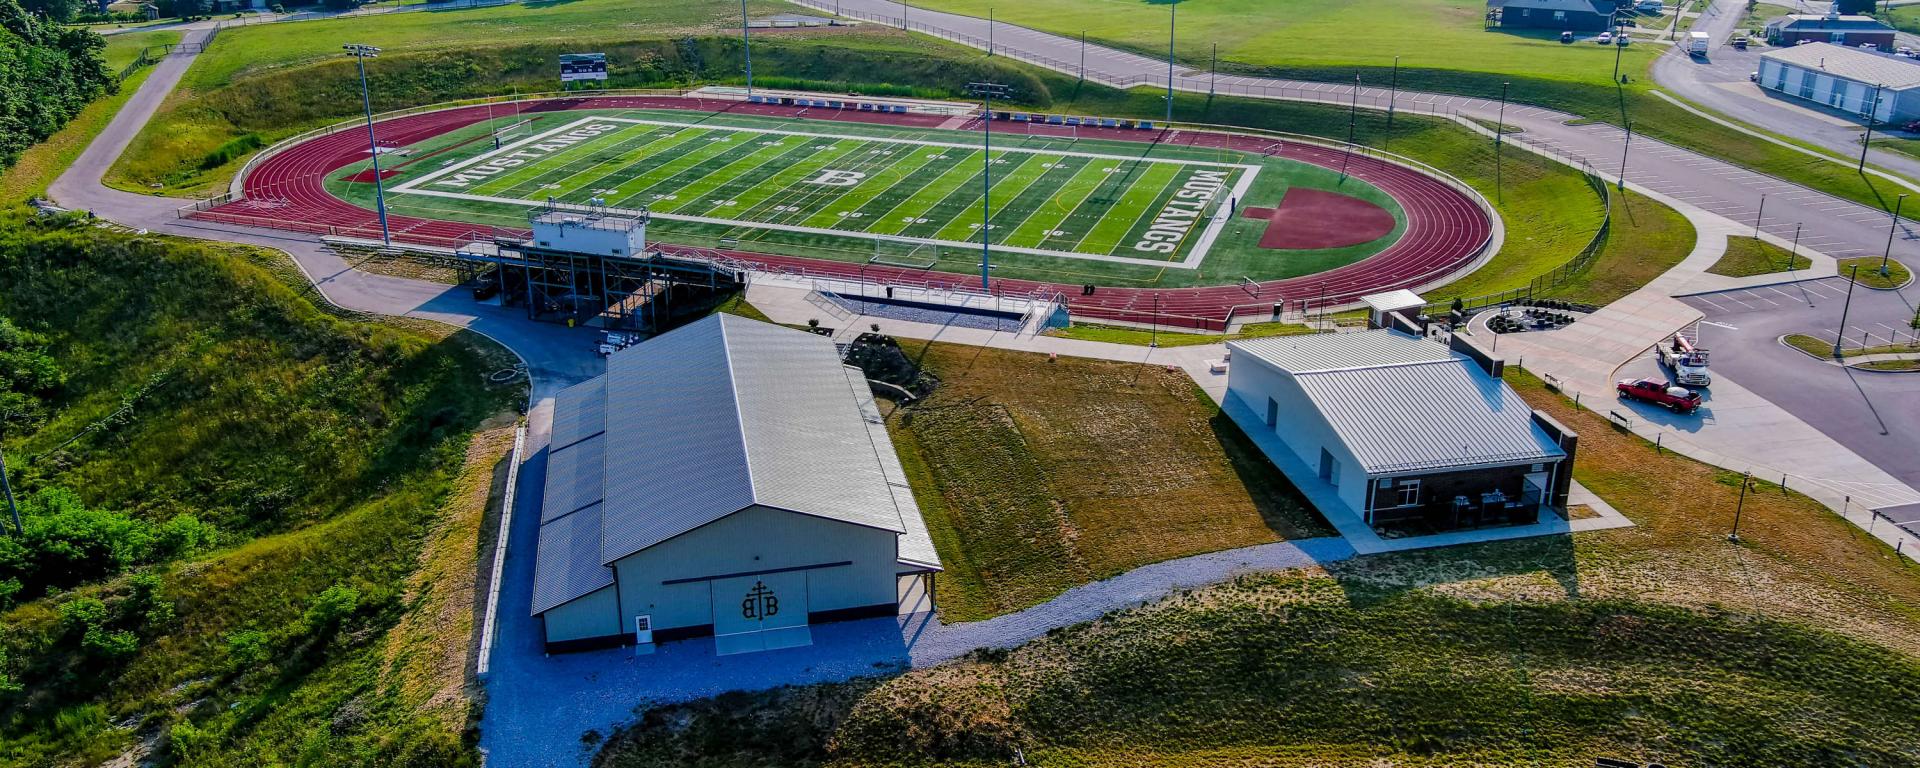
(730, 478)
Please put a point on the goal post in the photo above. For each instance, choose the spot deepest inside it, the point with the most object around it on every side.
(1052, 132)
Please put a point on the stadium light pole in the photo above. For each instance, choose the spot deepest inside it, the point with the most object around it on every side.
(986, 92)
(746, 46)
(989, 32)
(1173, 20)
(1759, 214)
(360, 54)
(1891, 229)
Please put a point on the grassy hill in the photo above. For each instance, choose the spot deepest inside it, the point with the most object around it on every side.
(317, 457)
(1800, 645)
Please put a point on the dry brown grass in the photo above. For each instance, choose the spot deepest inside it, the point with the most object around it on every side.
(429, 654)
(1037, 476)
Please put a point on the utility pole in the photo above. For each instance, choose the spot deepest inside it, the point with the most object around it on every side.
(1892, 228)
(1873, 111)
(1617, 48)
(986, 91)
(1745, 480)
(1793, 255)
(1500, 126)
(1757, 215)
(1173, 20)
(1841, 335)
(1624, 148)
(746, 46)
(903, 14)
(1393, 93)
(1083, 55)
(360, 54)
(989, 32)
(1353, 122)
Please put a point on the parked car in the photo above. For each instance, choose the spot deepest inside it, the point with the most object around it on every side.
(1651, 6)
(1677, 398)
(1622, 40)
(1754, 76)
(1740, 43)
(1869, 47)
(1604, 39)
(1904, 51)
(1566, 37)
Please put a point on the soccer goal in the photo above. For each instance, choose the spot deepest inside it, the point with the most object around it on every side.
(904, 254)
(1051, 132)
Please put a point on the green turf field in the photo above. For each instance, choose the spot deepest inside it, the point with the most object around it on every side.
(1062, 208)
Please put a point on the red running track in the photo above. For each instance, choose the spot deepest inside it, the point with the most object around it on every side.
(1445, 227)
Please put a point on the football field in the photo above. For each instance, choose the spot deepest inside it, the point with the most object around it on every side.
(1103, 204)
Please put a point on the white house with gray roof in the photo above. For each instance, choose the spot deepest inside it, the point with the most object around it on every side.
(1402, 430)
(730, 478)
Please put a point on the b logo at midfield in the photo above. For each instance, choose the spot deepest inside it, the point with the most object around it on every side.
(760, 603)
(831, 178)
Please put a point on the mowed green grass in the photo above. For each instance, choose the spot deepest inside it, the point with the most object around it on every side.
(269, 46)
(712, 185)
(1422, 34)
(123, 48)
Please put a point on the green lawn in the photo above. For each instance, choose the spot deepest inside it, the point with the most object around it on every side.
(123, 48)
(1037, 475)
(1748, 256)
(1116, 334)
(1315, 35)
(1905, 18)
(1657, 643)
(1868, 272)
(252, 49)
(1759, 14)
(45, 161)
(1645, 239)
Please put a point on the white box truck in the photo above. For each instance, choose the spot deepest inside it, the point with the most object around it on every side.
(1697, 43)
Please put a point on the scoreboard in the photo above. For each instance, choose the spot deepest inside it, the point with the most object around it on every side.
(583, 66)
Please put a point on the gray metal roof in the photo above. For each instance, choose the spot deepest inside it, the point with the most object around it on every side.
(1892, 72)
(718, 416)
(1813, 22)
(1427, 415)
(579, 412)
(1331, 351)
(574, 477)
(916, 544)
(568, 564)
(1600, 7)
(1394, 300)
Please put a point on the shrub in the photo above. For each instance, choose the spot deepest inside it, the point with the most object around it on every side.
(328, 608)
(248, 648)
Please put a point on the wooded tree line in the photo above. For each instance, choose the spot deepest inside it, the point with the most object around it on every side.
(48, 73)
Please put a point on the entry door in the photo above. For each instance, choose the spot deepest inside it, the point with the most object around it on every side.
(757, 613)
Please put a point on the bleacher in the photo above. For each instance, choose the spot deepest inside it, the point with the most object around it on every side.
(820, 103)
(1070, 120)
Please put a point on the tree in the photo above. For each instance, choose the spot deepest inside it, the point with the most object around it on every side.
(59, 11)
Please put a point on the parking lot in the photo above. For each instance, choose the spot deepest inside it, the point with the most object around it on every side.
(1874, 414)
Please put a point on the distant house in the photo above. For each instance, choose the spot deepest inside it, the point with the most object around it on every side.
(1557, 15)
(1391, 430)
(1850, 31)
(1844, 78)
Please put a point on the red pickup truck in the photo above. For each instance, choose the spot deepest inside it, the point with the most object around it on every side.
(1678, 398)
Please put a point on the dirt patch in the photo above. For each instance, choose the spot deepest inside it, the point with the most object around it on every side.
(1312, 219)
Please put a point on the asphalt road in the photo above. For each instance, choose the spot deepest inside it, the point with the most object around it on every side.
(1719, 82)
(1876, 414)
(1833, 226)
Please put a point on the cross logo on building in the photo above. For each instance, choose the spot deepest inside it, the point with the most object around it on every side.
(760, 603)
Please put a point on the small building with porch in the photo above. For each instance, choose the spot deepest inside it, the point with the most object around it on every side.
(1556, 15)
(1864, 83)
(729, 478)
(1407, 433)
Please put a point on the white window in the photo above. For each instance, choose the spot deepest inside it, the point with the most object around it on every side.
(1559, 15)
(1409, 493)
